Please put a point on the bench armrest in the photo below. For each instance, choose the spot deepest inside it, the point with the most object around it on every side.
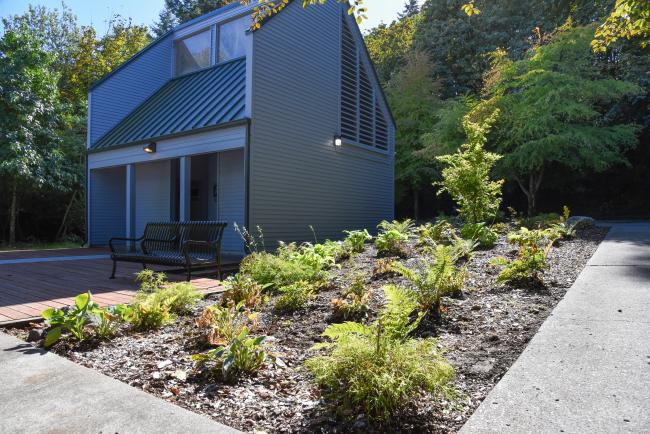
(112, 247)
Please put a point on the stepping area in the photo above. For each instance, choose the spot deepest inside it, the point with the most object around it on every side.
(587, 370)
(34, 280)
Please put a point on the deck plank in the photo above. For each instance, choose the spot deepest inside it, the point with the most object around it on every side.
(26, 289)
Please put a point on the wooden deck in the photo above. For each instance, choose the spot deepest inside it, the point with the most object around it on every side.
(31, 281)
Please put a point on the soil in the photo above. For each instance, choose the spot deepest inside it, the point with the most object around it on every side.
(482, 333)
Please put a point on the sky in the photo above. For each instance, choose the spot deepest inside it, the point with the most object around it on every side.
(97, 12)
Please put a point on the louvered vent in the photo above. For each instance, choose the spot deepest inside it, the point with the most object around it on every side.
(362, 119)
(348, 85)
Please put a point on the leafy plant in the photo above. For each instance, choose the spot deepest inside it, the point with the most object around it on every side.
(295, 296)
(441, 232)
(147, 313)
(243, 355)
(72, 320)
(463, 249)
(382, 267)
(243, 289)
(376, 368)
(434, 278)
(355, 299)
(481, 233)
(357, 240)
(220, 325)
(108, 320)
(392, 242)
(466, 176)
(534, 246)
(404, 227)
(150, 280)
(563, 228)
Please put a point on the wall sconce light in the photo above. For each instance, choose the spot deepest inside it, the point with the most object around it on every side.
(150, 148)
(338, 142)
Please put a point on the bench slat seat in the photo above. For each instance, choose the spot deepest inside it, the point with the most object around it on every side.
(184, 244)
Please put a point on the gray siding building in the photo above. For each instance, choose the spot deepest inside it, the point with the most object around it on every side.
(284, 128)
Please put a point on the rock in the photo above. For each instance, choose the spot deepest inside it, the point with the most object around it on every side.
(483, 367)
(35, 335)
(581, 222)
(163, 365)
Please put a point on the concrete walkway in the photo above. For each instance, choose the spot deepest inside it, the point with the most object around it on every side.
(587, 370)
(43, 393)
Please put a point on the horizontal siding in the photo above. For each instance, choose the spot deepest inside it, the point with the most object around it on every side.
(297, 177)
(152, 194)
(107, 205)
(120, 94)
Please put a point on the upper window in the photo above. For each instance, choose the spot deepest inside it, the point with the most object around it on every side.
(232, 39)
(193, 53)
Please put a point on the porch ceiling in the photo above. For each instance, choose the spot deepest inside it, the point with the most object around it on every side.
(203, 99)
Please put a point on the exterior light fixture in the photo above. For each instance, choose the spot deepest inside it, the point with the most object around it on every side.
(150, 148)
(338, 141)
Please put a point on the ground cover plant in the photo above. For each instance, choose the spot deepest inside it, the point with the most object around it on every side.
(337, 363)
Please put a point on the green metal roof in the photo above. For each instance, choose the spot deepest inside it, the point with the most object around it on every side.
(207, 98)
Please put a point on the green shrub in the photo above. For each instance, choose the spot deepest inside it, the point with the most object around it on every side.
(404, 227)
(442, 232)
(534, 246)
(392, 243)
(275, 271)
(219, 325)
(150, 280)
(295, 296)
(243, 289)
(481, 233)
(357, 240)
(377, 368)
(243, 355)
(466, 176)
(434, 278)
(463, 249)
(147, 313)
(73, 320)
(354, 303)
(541, 221)
(108, 320)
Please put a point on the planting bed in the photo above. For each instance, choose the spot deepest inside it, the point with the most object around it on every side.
(482, 333)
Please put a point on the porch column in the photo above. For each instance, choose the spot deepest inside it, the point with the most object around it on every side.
(130, 203)
(185, 188)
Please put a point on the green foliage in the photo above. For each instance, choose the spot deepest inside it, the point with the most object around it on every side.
(356, 240)
(221, 324)
(149, 280)
(630, 19)
(277, 272)
(243, 355)
(555, 110)
(433, 278)
(466, 176)
(541, 221)
(108, 320)
(404, 227)
(481, 233)
(376, 368)
(389, 45)
(531, 261)
(354, 303)
(462, 248)
(392, 243)
(73, 320)
(295, 296)
(442, 232)
(243, 289)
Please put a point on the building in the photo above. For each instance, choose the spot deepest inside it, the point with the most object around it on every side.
(283, 128)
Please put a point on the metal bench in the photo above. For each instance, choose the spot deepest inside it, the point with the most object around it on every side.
(189, 245)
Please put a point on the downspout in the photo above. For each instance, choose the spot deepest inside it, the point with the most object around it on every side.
(247, 170)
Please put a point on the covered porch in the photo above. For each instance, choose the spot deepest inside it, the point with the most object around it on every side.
(156, 187)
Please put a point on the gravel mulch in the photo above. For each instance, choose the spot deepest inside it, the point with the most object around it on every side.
(482, 334)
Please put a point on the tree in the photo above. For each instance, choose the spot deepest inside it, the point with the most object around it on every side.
(179, 11)
(555, 109)
(413, 97)
(467, 175)
(389, 45)
(29, 117)
(630, 19)
(411, 8)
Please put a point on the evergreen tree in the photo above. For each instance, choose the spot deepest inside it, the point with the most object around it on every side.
(411, 8)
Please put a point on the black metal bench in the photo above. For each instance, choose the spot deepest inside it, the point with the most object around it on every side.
(189, 245)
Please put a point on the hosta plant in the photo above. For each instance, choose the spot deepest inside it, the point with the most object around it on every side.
(244, 354)
(392, 243)
(357, 240)
(73, 320)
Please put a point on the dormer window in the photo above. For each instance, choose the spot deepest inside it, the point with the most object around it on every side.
(193, 53)
(232, 39)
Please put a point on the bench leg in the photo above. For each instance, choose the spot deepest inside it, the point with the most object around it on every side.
(114, 267)
(189, 274)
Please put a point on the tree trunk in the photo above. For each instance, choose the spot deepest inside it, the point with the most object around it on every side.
(534, 182)
(13, 213)
(416, 204)
(59, 233)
